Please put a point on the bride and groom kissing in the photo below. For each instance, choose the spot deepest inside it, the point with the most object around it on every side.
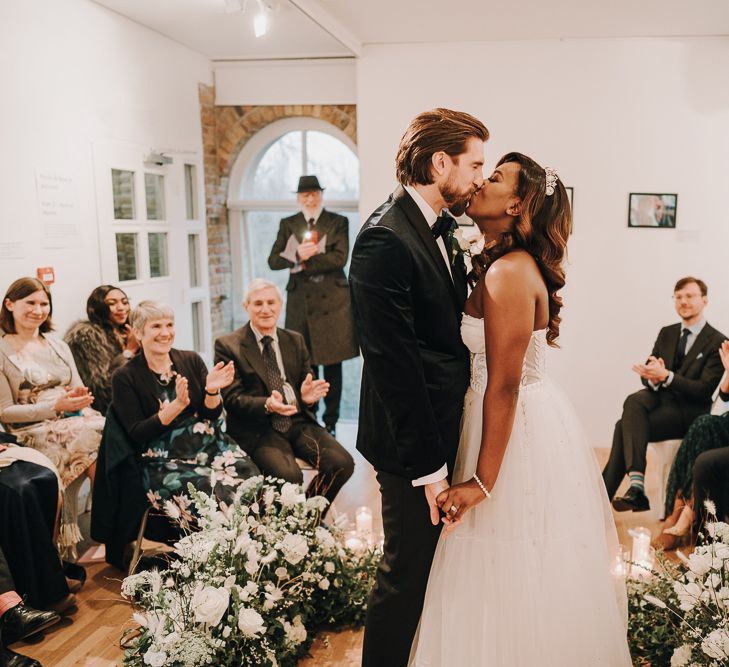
(498, 531)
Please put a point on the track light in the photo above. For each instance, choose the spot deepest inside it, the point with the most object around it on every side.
(260, 22)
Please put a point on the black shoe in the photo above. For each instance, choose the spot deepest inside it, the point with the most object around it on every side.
(10, 658)
(22, 621)
(634, 499)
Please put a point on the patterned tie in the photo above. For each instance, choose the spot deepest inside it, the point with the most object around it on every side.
(681, 349)
(310, 224)
(281, 423)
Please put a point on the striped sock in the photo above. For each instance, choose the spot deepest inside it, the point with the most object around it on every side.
(637, 479)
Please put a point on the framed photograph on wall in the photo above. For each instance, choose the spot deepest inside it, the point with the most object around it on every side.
(651, 209)
(571, 197)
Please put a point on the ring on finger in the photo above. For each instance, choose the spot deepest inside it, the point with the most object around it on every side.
(453, 509)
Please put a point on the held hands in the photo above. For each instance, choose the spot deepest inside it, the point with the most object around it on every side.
(307, 250)
(457, 500)
(431, 493)
(75, 399)
(312, 390)
(654, 370)
(220, 377)
(275, 403)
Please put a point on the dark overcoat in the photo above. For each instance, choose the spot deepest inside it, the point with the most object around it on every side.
(318, 303)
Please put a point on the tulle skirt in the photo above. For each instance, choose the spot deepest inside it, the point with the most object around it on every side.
(525, 579)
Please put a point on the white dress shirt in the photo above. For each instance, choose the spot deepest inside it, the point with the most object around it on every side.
(430, 217)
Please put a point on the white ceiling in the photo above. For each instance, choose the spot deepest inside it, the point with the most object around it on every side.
(322, 28)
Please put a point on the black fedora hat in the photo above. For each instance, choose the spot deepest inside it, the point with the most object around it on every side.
(308, 184)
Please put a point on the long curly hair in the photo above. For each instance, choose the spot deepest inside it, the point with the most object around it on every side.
(542, 230)
(98, 310)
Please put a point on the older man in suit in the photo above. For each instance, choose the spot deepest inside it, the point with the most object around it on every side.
(313, 245)
(269, 402)
(680, 377)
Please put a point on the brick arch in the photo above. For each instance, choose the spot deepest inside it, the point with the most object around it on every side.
(226, 130)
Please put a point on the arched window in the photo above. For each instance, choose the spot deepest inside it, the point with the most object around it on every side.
(261, 192)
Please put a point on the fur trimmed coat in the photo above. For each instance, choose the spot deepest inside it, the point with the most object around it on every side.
(96, 352)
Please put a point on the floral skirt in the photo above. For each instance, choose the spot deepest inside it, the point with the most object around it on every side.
(196, 452)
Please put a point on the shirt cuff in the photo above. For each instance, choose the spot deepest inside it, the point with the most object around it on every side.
(434, 477)
(668, 380)
(653, 386)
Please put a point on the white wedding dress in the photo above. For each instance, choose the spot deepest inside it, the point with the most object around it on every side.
(525, 580)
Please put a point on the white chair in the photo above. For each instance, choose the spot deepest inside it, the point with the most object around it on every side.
(666, 450)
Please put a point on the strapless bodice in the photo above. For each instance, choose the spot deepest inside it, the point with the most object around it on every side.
(533, 368)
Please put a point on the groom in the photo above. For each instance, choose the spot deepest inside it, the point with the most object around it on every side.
(408, 290)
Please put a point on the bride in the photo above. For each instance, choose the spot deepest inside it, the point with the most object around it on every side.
(521, 575)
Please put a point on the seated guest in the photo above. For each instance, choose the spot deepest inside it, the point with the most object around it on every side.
(29, 497)
(18, 620)
(42, 399)
(269, 403)
(680, 377)
(98, 342)
(169, 404)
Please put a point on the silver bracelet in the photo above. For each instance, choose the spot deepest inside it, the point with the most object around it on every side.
(480, 483)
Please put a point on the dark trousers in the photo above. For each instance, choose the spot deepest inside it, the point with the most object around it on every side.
(333, 375)
(275, 454)
(711, 481)
(6, 579)
(396, 601)
(648, 416)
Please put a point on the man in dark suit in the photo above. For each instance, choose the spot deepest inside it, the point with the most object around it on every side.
(680, 377)
(408, 290)
(269, 403)
(314, 245)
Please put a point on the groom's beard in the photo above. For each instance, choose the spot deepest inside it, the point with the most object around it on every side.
(456, 200)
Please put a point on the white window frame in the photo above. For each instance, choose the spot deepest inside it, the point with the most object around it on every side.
(242, 173)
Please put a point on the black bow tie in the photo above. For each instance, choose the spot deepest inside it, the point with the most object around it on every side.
(443, 225)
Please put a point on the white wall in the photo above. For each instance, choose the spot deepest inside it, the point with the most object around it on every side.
(75, 74)
(613, 116)
(326, 81)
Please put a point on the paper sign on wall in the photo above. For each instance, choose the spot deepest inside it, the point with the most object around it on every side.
(58, 209)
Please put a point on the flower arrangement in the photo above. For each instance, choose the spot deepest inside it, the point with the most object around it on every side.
(698, 600)
(252, 585)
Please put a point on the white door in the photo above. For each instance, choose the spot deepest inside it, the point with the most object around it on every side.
(152, 234)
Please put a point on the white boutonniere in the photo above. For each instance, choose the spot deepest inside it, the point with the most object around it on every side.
(460, 245)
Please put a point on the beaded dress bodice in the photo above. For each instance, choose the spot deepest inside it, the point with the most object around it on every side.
(533, 369)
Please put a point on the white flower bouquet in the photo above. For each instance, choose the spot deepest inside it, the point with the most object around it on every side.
(251, 586)
(702, 594)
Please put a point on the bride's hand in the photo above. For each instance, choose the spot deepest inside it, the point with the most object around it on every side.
(458, 499)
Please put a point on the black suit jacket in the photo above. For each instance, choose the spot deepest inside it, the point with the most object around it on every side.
(318, 302)
(696, 379)
(407, 312)
(245, 398)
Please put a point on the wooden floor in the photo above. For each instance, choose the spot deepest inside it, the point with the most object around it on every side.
(90, 637)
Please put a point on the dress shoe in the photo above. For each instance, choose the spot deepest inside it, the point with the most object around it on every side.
(64, 604)
(10, 658)
(634, 499)
(22, 621)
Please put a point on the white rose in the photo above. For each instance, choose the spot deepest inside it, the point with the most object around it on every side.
(324, 584)
(250, 622)
(291, 494)
(716, 644)
(324, 538)
(155, 658)
(210, 604)
(294, 548)
(329, 567)
(681, 656)
(700, 564)
(295, 632)
(226, 631)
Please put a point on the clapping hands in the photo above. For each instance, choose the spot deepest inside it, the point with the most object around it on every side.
(220, 377)
(654, 370)
(312, 390)
(724, 354)
(75, 399)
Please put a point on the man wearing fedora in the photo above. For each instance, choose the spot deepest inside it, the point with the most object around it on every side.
(314, 246)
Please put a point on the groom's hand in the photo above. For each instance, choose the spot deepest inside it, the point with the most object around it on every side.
(431, 493)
